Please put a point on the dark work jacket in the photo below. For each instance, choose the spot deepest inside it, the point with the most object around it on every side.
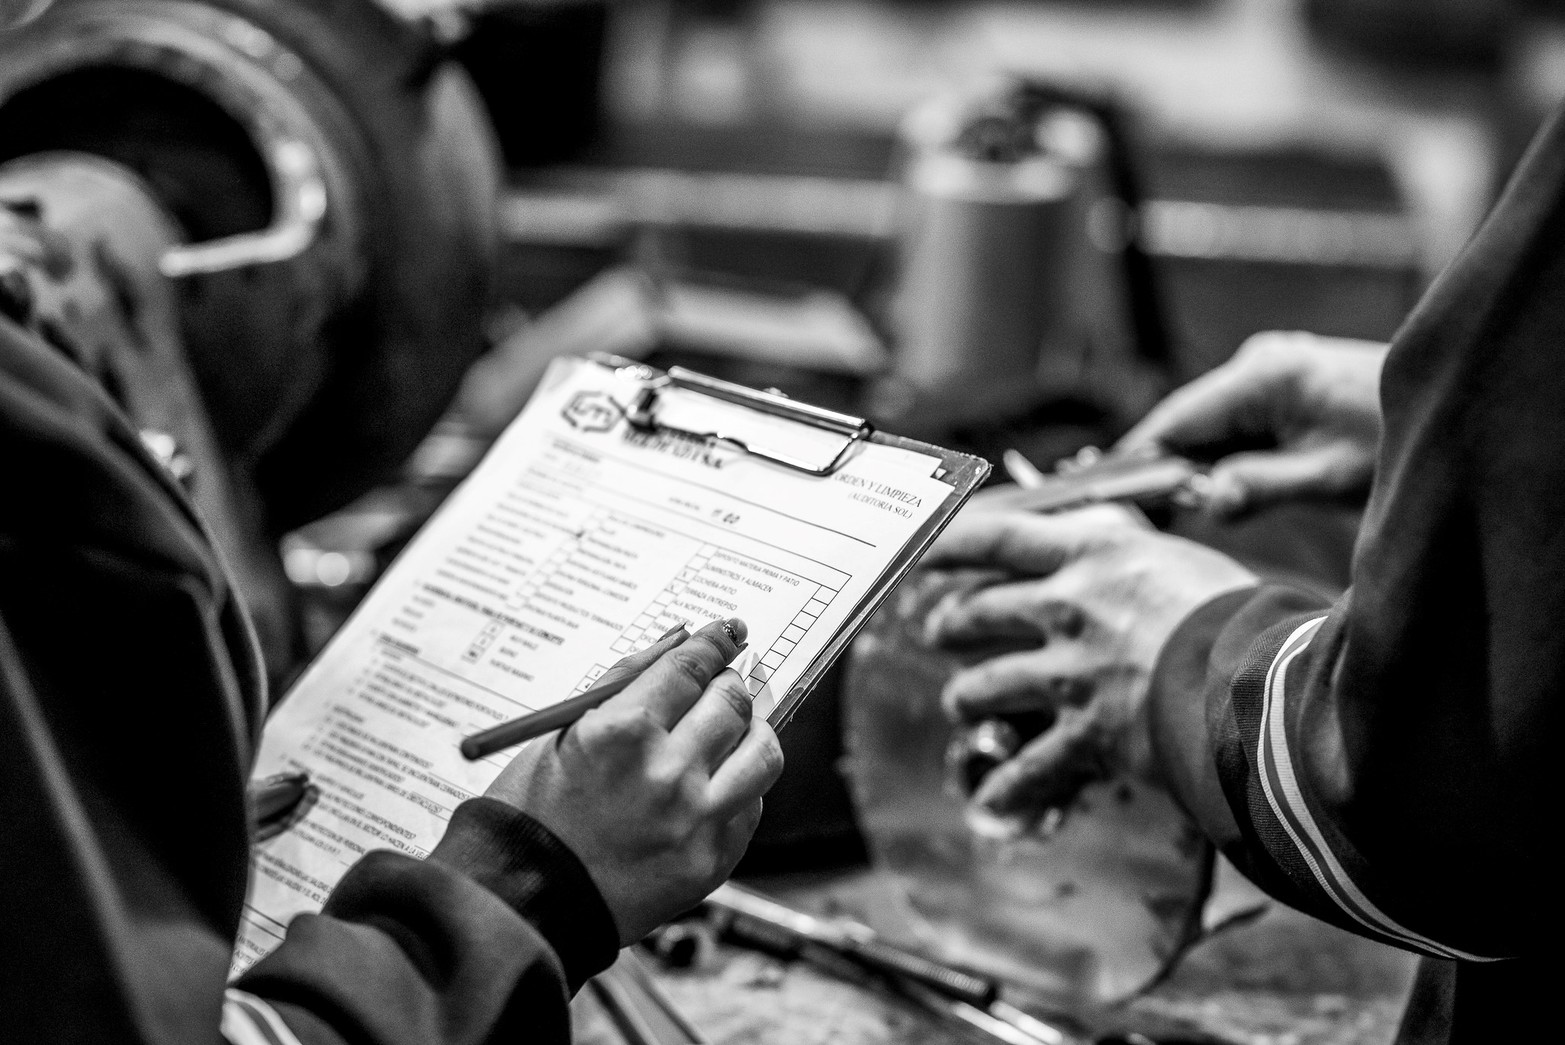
(1391, 763)
(131, 697)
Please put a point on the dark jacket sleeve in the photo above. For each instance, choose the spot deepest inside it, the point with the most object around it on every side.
(485, 941)
(1390, 762)
(130, 699)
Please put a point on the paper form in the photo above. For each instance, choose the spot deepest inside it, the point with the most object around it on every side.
(576, 541)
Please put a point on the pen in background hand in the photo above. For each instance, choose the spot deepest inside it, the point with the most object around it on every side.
(1137, 479)
(1022, 471)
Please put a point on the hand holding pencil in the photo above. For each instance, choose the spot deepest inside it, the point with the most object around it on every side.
(528, 727)
(657, 790)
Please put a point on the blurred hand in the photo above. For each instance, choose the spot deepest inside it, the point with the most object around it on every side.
(15, 13)
(1315, 401)
(658, 790)
(1095, 594)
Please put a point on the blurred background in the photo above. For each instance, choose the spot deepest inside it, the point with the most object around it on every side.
(750, 187)
(991, 225)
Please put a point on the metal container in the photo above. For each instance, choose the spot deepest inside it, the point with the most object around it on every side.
(1022, 278)
(985, 251)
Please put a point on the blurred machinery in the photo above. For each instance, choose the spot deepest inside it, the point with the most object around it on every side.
(310, 187)
(325, 167)
(519, 51)
(290, 202)
(1023, 279)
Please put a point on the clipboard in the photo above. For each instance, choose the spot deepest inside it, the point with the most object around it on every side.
(804, 438)
(603, 510)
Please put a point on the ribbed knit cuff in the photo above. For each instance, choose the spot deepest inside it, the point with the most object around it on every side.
(522, 862)
(1191, 704)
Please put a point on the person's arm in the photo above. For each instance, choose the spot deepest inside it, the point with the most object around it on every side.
(1385, 762)
(484, 941)
(632, 816)
(1391, 758)
(130, 691)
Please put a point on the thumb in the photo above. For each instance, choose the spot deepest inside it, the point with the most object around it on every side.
(1230, 402)
(1242, 399)
(1247, 482)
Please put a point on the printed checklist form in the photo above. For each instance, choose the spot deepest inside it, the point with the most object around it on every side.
(580, 538)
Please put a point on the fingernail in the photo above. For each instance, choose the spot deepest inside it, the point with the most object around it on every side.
(1195, 495)
(1224, 497)
(279, 779)
(671, 631)
(736, 630)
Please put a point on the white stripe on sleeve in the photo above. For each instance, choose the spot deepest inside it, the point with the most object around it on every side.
(1281, 785)
(247, 1020)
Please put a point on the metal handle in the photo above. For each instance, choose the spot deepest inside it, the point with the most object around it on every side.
(643, 413)
(300, 192)
(953, 983)
(768, 402)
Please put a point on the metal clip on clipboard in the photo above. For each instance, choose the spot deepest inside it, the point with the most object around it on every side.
(646, 412)
(808, 439)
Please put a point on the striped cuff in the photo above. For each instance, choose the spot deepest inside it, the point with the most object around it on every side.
(247, 1020)
(1280, 782)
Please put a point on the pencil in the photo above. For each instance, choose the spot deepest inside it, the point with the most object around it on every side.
(519, 730)
(536, 724)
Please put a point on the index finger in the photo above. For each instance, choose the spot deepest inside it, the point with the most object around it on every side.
(1020, 541)
(676, 680)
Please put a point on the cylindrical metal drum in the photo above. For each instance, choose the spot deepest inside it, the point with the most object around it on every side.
(1022, 281)
(986, 253)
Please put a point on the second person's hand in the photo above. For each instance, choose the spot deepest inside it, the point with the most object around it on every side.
(1092, 596)
(1310, 404)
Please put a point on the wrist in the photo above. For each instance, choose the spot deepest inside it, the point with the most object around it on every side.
(538, 876)
(1218, 643)
(1177, 712)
